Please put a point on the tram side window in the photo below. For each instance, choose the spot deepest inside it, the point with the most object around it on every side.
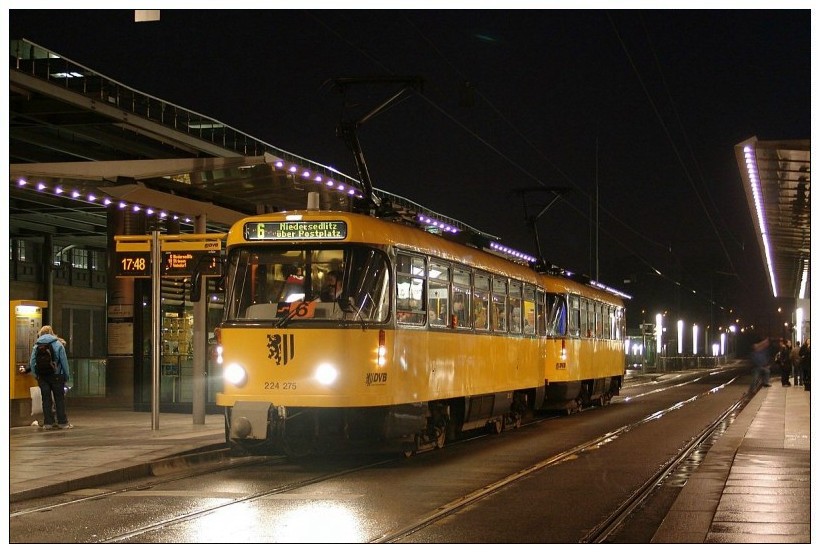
(541, 312)
(498, 309)
(590, 318)
(515, 307)
(481, 301)
(574, 315)
(529, 310)
(584, 311)
(600, 309)
(410, 285)
(461, 298)
(557, 321)
(619, 322)
(609, 322)
(438, 294)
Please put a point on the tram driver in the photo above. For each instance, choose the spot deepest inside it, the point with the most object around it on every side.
(333, 286)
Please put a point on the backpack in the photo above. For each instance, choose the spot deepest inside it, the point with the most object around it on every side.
(44, 360)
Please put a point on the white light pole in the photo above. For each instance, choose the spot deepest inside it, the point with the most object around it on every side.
(798, 325)
(680, 336)
(658, 334)
(694, 339)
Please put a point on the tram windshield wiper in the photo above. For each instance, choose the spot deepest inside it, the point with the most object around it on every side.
(349, 306)
(282, 322)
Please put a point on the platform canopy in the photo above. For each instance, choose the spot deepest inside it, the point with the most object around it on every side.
(777, 179)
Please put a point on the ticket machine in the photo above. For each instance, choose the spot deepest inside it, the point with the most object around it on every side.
(25, 320)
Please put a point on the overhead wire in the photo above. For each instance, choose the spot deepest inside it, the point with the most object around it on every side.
(692, 155)
(555, 167)
(668, 135)
(517, 165)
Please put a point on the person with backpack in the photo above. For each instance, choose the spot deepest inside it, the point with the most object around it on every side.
(50, 365)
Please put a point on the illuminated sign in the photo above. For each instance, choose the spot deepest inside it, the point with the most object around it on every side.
(182, 255)
(184, 263)
(133, 264)
(296, 230)
(191, 245)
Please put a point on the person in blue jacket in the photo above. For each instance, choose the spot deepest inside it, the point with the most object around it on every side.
(52, 383)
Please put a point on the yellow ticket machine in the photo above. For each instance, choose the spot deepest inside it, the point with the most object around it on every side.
(25, 319)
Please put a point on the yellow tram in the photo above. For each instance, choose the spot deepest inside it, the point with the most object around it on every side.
(342, 329)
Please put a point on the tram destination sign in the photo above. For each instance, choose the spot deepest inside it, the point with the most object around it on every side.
(296, 230)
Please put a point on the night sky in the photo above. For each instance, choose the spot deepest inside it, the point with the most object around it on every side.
(641, 109)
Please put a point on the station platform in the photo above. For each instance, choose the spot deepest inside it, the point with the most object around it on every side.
(754, 485)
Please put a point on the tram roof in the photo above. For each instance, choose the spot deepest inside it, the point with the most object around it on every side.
(370, 230)
(777, 179)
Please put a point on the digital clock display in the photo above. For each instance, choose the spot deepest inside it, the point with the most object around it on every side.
(133, 264)
(296, 230)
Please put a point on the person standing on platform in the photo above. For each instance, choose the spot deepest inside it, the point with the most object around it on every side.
(794, 357)
(760, 364)
(805, 364)
(783, 361)
(52, 379)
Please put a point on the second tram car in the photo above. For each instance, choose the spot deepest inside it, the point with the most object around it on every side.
(342, 329)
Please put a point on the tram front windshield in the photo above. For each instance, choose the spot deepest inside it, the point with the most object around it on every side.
(307, 285)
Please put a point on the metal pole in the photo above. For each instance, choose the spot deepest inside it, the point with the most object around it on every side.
(200, 342)
(156, 330)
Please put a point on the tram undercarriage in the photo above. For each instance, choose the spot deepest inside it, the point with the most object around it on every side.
(571, 397)
(260, 427)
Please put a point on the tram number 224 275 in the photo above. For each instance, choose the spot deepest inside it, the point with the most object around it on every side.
(280, 385)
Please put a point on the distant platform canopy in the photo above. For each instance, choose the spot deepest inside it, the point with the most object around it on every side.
(777, 179)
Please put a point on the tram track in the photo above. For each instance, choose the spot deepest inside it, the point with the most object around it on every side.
(611, 522)
(286, 488)
(599, 534)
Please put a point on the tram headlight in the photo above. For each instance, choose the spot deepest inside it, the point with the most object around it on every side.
(235, 374)
(326, 374)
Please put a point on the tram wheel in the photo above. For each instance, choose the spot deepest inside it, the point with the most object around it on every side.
(441, 437)
(496, 425)
(411, 448)
(513, 421)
